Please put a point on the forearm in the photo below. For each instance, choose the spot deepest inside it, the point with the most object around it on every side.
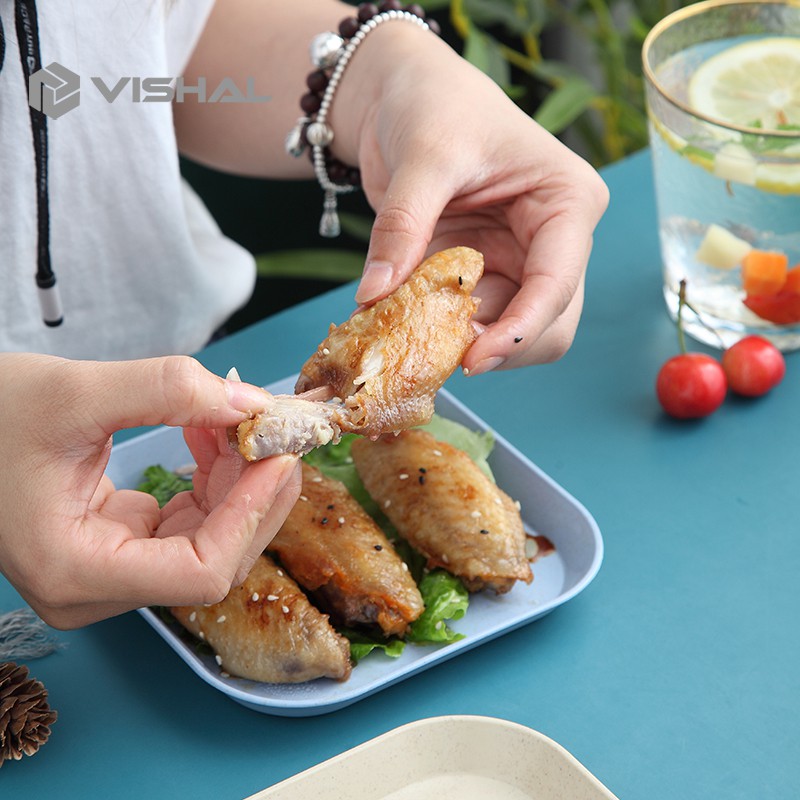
(268, 42)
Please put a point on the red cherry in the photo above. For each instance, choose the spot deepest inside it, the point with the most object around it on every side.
(753, 366)
(691, 385)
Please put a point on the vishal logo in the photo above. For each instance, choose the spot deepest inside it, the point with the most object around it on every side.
(54, 90)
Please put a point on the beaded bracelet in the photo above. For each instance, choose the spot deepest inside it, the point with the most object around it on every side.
(330, 53)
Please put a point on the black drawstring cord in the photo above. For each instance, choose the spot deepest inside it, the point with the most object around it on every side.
(28, 37)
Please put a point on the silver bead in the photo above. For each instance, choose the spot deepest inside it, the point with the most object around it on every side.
(325, 49)
(293, 143)
(319, 133)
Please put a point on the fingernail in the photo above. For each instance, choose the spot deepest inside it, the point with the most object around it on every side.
(485, 365)
(376, 278)
(246, 397)
(287, 465)
(233, 375)
(478, 327)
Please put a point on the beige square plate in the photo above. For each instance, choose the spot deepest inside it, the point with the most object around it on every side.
(448, 758)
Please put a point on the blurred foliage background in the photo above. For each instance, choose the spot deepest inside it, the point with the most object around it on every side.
(574, 66)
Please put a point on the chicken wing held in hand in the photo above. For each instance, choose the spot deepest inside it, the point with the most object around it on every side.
(386, 363)
(335, 550)
(441, 502)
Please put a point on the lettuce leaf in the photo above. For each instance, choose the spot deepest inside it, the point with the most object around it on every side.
(445, 599)
(361, 645)
(163, 484)
(475, 444)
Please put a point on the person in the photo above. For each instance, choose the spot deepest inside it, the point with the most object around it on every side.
(146, 277)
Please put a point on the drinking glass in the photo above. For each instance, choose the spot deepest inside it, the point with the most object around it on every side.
(722, 85)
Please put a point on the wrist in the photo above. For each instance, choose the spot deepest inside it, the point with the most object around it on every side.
(370, 78)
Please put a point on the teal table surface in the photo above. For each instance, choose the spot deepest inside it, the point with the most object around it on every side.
(675, 674)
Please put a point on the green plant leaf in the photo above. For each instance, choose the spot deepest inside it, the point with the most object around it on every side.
(484, 52)
(356, 226)
(565, 104)
(507, 13)
(329, 265)
(434, 5)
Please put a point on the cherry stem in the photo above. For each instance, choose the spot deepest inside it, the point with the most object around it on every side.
(683, 302)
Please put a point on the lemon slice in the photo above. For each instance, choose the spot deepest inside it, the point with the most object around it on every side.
(752, 84)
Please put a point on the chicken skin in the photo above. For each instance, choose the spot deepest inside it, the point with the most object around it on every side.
(334, 549)
(387, 362)
(441, 502)
(384, 365)
(267, 630)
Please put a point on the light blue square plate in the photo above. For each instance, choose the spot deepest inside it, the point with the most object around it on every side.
(547, 510)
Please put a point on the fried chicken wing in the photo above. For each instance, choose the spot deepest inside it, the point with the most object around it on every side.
(387, 362)
(334, 549)
(289, 425)
(267, 630)
(384, 365)
(441, 502)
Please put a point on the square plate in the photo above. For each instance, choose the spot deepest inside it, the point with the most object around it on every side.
(547, 510)
(449, 758)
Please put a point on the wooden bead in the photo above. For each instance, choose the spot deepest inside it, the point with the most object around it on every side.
(317, 81)
(366, 11)
(391, 5)
(348, 27)
(310, 103)
(416, 9)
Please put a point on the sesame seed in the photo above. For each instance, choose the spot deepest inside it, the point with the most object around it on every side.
(303, 498)
(404, 566)
(272, 597)
(403, 476)
(465, 371)
(439, 625)
(317, 479)
(421, 480)
(445, 559)
(423, 470)
(255, 597)
(379, 547)
(221, 618)
(517, 339)
(201, 635)
(330, 506)
(341, 520)
(218, 659)
(324, 520)
(193, 616)
(280, 573)
(483, 530)
(387, 503)
(476, 515)
(437, 452)
(460, 281)
(285, 609)
(498, 501)
(518, 505)
(325, 351)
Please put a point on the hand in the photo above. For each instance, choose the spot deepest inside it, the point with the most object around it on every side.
(77, 549)
(451, 161)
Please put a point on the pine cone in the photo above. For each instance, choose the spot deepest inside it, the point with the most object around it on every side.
(25, 716)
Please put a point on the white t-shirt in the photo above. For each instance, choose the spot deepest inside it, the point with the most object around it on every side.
(141, 266)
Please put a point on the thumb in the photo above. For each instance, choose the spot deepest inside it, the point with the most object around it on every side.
(402, 230)
(173, 390)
